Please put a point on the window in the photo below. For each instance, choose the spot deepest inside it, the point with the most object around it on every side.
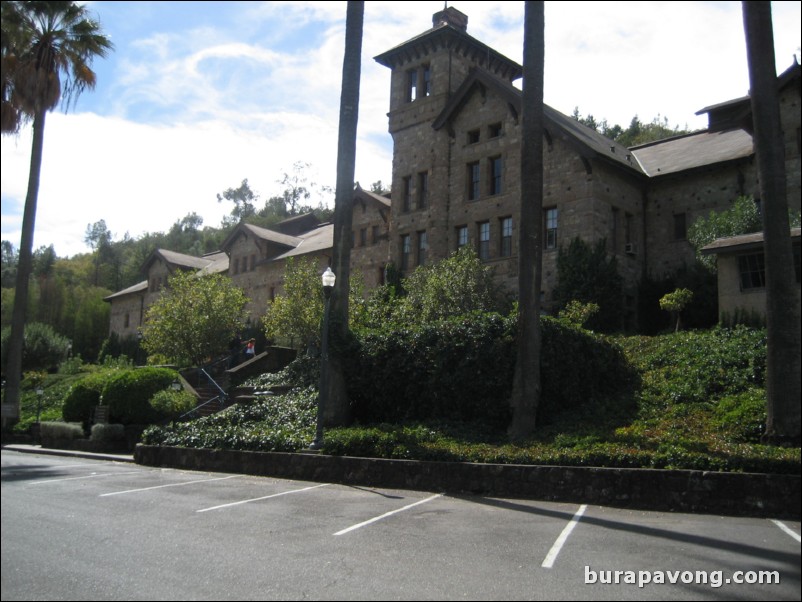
(375, 234)
(551, 228)
(127, 320)
(407, 191)
(462, 236)
(423, 247)
(412, 85)
(473, 136)
(427, 81)
(484, 240)
(752, 271)
(628, 230)
(474, 178)
(494, 131)
(253, 262)
(236, 266)
(680, 228)
(495, 175)
(423, 189)
(363, 237)
(405, 251)
(506, 237)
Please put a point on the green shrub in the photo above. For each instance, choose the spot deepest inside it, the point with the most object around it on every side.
(79, 403)
(128, 394)
(172, 404)
(742, 417)
(108, 434)
(60, 434)
(462, 369)
(281, 423)
(702, 366)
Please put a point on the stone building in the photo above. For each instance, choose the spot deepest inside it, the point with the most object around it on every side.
(255, 259)
(454, 118)
(455, 122)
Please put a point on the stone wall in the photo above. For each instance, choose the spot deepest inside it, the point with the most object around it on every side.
(775, 496)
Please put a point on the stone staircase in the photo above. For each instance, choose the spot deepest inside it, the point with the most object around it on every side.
(212, 384)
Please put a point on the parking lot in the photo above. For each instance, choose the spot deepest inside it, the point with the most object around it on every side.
(74, 528)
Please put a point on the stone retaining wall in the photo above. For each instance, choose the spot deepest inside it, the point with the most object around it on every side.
(775, 496)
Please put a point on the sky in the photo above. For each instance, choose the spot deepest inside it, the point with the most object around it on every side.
(198, 96)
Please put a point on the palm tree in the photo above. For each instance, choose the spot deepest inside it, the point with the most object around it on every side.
(48, 48)
(782, 301)
(526, 384)
(334, 398)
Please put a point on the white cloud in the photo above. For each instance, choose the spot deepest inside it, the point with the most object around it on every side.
(186, 108)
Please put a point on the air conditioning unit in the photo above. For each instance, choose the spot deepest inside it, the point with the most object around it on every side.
(630, 248)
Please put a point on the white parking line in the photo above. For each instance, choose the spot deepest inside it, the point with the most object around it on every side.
(551, 557)
(386, 514)
(91, 476)
(256, 499)
(785, 528)
(168, 485)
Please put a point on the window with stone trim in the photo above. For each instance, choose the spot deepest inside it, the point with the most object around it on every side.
(423, 247)
(406, 250)
(423, 189)
(474, 181)
(484, 240)
(407, 192)
(550, 239)
(462, 236)
(506, 237)
(496, 168)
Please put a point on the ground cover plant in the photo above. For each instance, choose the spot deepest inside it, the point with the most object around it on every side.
(698, 403)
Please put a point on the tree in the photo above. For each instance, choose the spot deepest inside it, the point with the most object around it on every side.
(48, 48)
(243, 199)
(585, 273)
(194, 318)
(334, 399)
(742, 218)
(295, 316)
(98, 238)
(784, 371)
(456, 286)
(675, 302)
(526, 384)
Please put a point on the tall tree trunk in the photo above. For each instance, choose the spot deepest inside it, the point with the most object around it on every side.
(526, 386)
(336, 409)
(13, 368)
(782, 297)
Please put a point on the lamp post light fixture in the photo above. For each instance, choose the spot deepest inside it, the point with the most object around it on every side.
(328, 279)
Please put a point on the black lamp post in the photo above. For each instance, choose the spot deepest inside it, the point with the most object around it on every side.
(328, 280)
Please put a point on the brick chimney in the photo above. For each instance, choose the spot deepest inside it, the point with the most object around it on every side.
(450, 16)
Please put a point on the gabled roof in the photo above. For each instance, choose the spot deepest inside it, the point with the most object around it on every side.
(446, 34)
(180, 260)
(681, 153)
(743, 242)
(371, 197)
(136, 288)
(588, 141)
(319, 239)
(261, 234)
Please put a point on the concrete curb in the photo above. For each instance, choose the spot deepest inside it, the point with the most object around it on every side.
(738, 494)
(71, 453)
